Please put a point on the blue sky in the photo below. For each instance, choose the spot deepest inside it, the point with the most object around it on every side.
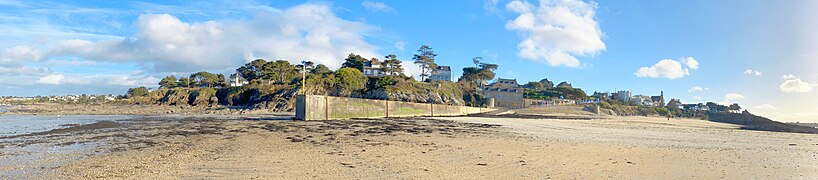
(761, 54)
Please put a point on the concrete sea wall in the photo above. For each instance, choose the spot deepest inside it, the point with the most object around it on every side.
(317, 107)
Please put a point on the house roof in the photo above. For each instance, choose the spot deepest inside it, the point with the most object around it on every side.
(445, 68)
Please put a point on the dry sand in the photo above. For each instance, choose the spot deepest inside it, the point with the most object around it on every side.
(428, 148)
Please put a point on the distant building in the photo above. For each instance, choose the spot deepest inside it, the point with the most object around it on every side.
(642, 99)
(237, 80)
(695, 107)
(565, 84)
(659, 101)
(506, 93)
(443, 73)
(601, 95)
(372, 69)
(624, 96)
(546, 83)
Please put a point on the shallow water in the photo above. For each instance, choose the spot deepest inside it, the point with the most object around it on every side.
(11, 125)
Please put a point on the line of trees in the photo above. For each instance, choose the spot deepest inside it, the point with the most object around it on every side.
(199, 79)
(481, 72)
(260, 71)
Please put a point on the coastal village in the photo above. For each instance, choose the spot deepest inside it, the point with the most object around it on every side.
(488, 91)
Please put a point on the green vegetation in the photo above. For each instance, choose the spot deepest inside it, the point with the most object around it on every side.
(137, 92)
(426, 60)
(483, 71)
(350, 79)
(558, 92)
(625, 109)
(354, 61)
(391, 66)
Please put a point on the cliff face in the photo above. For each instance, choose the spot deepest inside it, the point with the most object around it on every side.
(281, 98)
(438, 93)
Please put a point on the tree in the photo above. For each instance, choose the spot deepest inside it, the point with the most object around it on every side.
(534, 85)
(487, 71)
(426, 60)
(252, 70)
(735, 108)
(137, 92)
(470, 74)
(183, 82)
(279, 71)
(321, 69)
(205, 79)
(391, 66)
(571, 93)
(307, 65)
(483, 71)
(168, 82)
(221, 81)
(354, 61)
(350, 79)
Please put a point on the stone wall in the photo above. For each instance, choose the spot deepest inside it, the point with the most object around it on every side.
(316, 107)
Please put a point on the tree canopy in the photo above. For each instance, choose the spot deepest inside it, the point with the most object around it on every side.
(483, 71)
(391, 65)
(350, 79)
(168, 82)
(426, 60)
(354, 61)
(252, 70)
(206, 79)
(136, 92)
(279, 71)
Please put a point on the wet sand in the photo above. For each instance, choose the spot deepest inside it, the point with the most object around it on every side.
(128, 109)
(423, 148)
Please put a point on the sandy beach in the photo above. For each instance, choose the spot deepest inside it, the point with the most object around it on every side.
(126, 109)
(172, 147)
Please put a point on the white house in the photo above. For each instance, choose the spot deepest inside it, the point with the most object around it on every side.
(237, 80)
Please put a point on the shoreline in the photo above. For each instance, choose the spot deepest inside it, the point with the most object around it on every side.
(125, 109)
(224, 146)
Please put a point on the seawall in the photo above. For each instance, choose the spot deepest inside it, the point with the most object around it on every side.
(318, 107)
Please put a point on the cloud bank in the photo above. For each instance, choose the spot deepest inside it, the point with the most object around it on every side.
(670, 69)
(164, 43)
(793, 84)
(752, 72)
(377, 7)
(555, 32)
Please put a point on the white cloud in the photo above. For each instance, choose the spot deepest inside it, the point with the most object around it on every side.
(22, 71)
(71, 62)
(697, 97)
(733, 96)
(752, 72)
(410, 69)
(400, 45)
(490, 6)
(164, 43)
(116, 80)
(697, 89)
(690, 62)
(554, 32)
(51, 79)
(377, 7)
(667, 68)
(765, 107)
(20, 53)
(793, 84)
